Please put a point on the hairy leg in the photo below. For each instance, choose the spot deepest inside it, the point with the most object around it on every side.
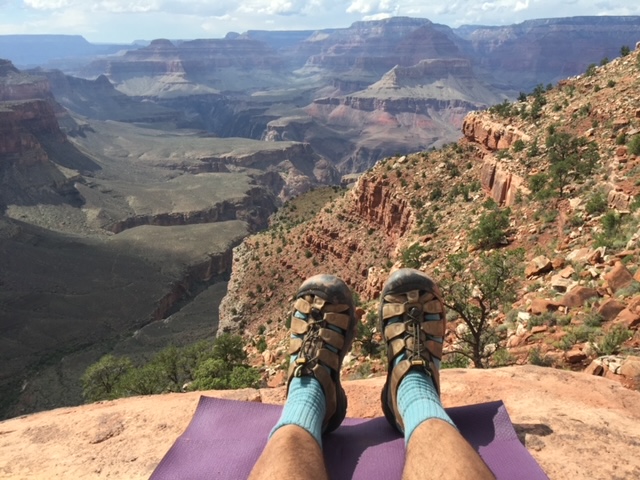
(437, 450)
(293, 454)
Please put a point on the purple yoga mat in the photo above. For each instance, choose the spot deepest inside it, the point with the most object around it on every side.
(226, 437)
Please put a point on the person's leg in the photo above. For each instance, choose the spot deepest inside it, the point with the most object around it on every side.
(291, 453)
(436, 450)
(413, 323)
(322, 329)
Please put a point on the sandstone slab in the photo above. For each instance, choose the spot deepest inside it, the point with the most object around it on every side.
(560, 416)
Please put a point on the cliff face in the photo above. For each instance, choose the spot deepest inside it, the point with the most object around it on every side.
(346, 237)
(20, 124)
(98, 99)
(494, 136)
(424, 103)
(27, 117)
(211, 62)
(543, 51)
(379, 45)
(16, 86)
(254, 208)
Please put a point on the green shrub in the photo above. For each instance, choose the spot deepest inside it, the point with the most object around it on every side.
(591, 70)
(244, 377)
(262, 344)
(575, 335)
(597, 203)
(102, 380)
(454, 360)
(502, 358)
(634, 144)
(630, 290)
(534, 149)
(576, 220)
(366, 334)
(436, 192)
(612, 235)
(148, 379)
(611, 341)
(624, 50)
(427, 224)
(411, 255)
(518, 146)
(492, 228)
(502, 109)
(207, 365)
(593, 319)
(536, 358)
(572, 158)
(539, 184)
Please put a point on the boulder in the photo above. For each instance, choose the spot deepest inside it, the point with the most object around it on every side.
(539, 329)
(610, 309)
(619, 200)
(595, 368)
(580, 255)
(577, 296)
(630, 367)
(537, 266)
(567, 272)
(562, 284)
(597, 256)
(628, 319)
(575, 355)
(267, 357)
(542, 305)
(618, 277)
(557, 262)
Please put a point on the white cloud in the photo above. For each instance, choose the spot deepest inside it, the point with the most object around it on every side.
(138, 6)
(284, 7)
(47, 4)
(122, 19)
(372, 7)
(377, 16)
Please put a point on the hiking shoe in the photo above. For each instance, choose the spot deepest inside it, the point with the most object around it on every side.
(322, 329)
(413, 323)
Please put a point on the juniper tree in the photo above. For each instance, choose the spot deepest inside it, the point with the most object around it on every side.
(476, 290)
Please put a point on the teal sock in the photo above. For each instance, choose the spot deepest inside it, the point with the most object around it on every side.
(418, 401)
(306, 404)
(305, 407)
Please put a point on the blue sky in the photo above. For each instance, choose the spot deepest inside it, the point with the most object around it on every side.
(124, 21)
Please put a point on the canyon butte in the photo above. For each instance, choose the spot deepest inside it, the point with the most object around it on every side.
(133, 186)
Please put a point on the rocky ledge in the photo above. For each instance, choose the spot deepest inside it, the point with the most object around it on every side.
(561, 417)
